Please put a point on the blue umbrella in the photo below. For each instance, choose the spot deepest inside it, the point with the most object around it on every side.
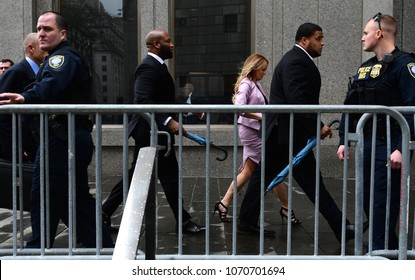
(202, 141)
(311, 143)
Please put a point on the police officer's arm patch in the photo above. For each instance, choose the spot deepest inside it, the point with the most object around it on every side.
(56, 61)
(411, 68)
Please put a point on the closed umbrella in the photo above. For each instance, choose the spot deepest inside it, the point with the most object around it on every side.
(311, 143)
(202, 141)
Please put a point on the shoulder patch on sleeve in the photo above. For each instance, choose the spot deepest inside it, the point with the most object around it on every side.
(411, 68)
(56, 61)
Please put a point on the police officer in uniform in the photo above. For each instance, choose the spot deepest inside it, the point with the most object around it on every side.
(387, 79)
(63, 79)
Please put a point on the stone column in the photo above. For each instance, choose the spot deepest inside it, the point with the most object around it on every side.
(154, 14)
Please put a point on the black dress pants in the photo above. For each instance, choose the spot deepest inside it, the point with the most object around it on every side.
(276, 159)
(168, 173)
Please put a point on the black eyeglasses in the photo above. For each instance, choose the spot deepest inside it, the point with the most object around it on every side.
(377, 18)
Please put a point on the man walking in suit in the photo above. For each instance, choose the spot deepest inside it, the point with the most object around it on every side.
(16, 79)
(154, 85)
(296, 80)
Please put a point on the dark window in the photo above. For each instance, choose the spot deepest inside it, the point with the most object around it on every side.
(105, 32)
(207, 55)
(231, 23)
(211, 41)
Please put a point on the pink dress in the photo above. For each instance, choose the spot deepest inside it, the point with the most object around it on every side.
(250, 93)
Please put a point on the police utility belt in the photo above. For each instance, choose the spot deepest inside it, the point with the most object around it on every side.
(58, 125)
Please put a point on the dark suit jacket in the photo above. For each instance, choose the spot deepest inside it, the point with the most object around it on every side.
(296, 80)
(153, 85)
(15, 79)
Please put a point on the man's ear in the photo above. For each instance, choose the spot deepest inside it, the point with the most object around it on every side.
(63, 33)
(304, 42)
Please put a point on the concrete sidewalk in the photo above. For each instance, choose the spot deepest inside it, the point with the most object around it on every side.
(220, 235)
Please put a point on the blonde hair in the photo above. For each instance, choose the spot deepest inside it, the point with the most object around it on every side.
(252, 63)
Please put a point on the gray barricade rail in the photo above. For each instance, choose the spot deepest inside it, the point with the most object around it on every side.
(13, 246)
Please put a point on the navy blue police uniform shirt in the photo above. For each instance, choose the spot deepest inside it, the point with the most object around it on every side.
(64, 78)
(398, 76)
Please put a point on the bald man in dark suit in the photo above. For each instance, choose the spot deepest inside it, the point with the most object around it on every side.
(154, 85)
(15, 79)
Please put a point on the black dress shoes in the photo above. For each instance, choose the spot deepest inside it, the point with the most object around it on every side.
(190, 227)
(254, 230)
(350, 231)
(106, 220)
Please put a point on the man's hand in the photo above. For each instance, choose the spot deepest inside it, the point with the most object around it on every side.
(340, 152)
(325, 131)
(11, 98)
(396, 160)
(201, 116)
(174, 127)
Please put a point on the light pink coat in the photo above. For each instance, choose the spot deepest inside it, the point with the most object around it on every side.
(249, 93)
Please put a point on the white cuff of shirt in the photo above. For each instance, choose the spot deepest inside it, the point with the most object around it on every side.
(167, 121)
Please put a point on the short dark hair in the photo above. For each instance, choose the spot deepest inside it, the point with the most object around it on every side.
(7, 60)
(60, 21)
(306, 30)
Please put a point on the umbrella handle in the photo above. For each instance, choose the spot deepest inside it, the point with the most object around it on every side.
(333, 122)
(202, 141)
(225, 153)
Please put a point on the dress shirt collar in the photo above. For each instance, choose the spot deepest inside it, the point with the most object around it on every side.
(304, 51)
(157, 57)
(32, 64)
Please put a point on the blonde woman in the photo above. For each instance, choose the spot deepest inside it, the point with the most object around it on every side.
(248, 91)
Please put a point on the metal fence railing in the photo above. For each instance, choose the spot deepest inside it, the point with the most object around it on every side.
(15, 247)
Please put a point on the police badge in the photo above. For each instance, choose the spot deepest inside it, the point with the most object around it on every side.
(411, 68)
(375, 70)
(56, 61)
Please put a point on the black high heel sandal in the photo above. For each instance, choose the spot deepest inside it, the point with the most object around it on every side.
(222, 214)
(284, 214)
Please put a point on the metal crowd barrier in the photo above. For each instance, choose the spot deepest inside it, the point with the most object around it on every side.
(17, 249)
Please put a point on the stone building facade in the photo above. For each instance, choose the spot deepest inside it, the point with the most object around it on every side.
(269, 26)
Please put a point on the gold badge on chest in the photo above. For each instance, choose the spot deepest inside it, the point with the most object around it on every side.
(375, 70)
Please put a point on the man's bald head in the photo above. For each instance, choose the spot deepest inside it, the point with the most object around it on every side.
(32, 39)
(32, 48)
(154, 36)
(158, 41)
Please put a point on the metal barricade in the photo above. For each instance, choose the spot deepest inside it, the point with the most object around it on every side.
(401, 253)
(204, 250)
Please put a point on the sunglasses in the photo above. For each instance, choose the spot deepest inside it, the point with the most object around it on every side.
(377, 18)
